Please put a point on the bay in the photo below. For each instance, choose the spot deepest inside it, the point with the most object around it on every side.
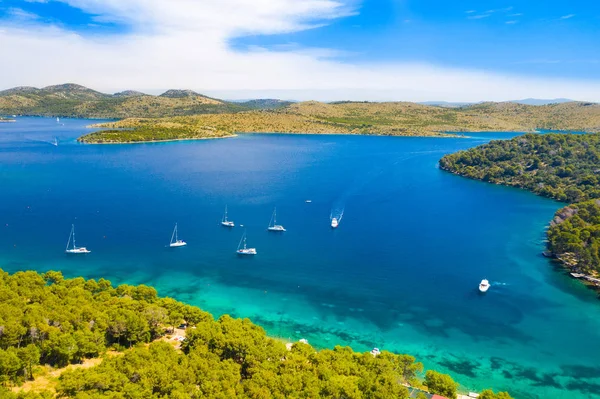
(400, 273)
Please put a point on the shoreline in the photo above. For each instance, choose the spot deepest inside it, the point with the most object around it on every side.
(159, 141)
(584, 279)
(440, 136)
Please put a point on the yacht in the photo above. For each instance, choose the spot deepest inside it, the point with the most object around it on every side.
(75, 249)
(224, 221)
(334, 223)
(175, 241)
(484, 285)
(375, 352)
(273, 226)
(243, 250)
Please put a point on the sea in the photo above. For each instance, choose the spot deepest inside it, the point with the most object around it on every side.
(400, 273)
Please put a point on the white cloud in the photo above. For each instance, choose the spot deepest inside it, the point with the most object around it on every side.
(511, 22)
(480, 16)
(568, 16)
(184, 44)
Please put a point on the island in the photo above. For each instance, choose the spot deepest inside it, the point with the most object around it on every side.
(565, 167)
(184, 114)
(81, 338)
(389, 119)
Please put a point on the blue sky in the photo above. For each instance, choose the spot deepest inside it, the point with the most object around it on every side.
(556, 38)
(527, 45)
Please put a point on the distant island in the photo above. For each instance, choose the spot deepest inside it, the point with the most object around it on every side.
(185, 114)
(126, 341)
(72, 100)
(565, 167)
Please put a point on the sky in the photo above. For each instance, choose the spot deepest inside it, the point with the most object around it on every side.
(377, 50)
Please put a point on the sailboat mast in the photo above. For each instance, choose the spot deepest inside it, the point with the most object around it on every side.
(69, 240)
(73, 231)
(174, 231)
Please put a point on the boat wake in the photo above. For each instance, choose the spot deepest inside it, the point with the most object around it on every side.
(51, 142)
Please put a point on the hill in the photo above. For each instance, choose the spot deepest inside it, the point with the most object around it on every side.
(71, 100)
(394, 119)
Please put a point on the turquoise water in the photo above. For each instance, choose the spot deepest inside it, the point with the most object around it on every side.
(400, 273)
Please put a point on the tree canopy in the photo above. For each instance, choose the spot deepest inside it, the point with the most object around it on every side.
(47, 319)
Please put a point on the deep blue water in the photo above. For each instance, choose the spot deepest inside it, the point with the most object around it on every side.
(400, 273)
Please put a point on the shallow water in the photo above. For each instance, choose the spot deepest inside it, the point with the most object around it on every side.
(400, 273)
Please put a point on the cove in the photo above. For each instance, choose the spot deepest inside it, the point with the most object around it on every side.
(400, 273)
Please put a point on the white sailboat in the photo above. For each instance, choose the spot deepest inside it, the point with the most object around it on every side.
(273, 226)
(224, 221)
(57, 119)
(175, 241)
(244, 250)
(484, 285)
(74, 249)
(55, 142)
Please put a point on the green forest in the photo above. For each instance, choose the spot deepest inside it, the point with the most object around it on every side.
(565, 167)
(46, 319)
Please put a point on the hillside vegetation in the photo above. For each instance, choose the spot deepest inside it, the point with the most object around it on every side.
(394, 119)
(560, 166)
(71, 100)
(203, 115)
(46, 319)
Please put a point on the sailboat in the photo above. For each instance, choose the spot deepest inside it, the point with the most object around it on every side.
(57, 119)
(55, 142)
(245, 250)
(273, 226)
(224, 221)
(74, 249)
(175, 241)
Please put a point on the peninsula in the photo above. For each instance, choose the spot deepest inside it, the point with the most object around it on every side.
(391, 119)
(133, 343)
(559, 166)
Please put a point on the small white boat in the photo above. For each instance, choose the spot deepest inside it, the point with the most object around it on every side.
(375, 351)
(55, 142)
(175, 241)
(57, 119)
(273, 226)
(75, 249)
(334, 223)
(14, 116)
(243, 250)
(224, 221)
(484, 285)
(308, 201)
